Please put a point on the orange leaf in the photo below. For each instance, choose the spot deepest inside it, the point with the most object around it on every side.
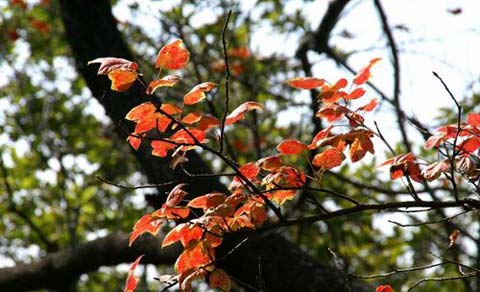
(306, 82)
(282, 196)
(207, 122)
(239, 113)
(197, 93)
(360, 146)
(131, 282)
(291, 147)
(192, 118)
(169, 80)
(207, 201)
(161, 148)
(357, 93)
(40, 25)
(122, 79)
(364, 74)
(171, 109)
(173, 56)
(194, 256)
(184, 137)
(320, 136)
(369, 106)
(147, 223)
(220, 279)
(330, 158)
(332, 112)
(140, 111)
(110, 64)
(184, 232)
(270, 163)
(384, 288)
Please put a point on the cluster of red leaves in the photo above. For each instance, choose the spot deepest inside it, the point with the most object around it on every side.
(335, 107)
(222, 214)
(463, 137)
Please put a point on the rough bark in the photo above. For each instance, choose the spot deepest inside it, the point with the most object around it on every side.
(269, 262)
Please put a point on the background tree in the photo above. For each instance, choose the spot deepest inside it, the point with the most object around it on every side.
(55, 207)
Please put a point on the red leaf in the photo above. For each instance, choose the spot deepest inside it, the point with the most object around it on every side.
(220, 279)
(239, 113)
(369, 106)
(384, 288)
(330, 158)
(169, 80)
(173, 56)
(364, 74)
(161, 148)
(332, 112)
(147, 223)
(291, 147)
(134, 142)
(357, 93)
(186, 278)
(473, 120)
(197, 93)
(249, 170)
(109, 64)
(306, 82)
(131, 282)
(453, 237)
(122, 79)
(360, 146)
(470, 145)
(240, 53)
(320, 136)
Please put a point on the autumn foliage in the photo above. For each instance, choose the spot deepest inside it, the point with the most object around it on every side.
(172, 129)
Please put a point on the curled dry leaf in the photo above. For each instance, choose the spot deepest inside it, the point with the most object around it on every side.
(169, 80)
(239, 113)
(176, 195)
(453, 237)
(172, 56)
(197, 93)
(110, 64)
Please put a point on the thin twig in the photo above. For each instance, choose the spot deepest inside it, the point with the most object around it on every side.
(227, 80)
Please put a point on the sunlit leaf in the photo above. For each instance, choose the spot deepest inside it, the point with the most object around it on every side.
(169, 81)
(291, 147)
(239, 113)
(197, 93)
(122, 79)
(306, 82)
(132, 282)
(328, 159)
(172, 56)
(364, 74)
(110, 64)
